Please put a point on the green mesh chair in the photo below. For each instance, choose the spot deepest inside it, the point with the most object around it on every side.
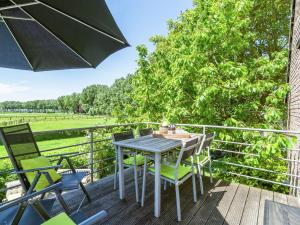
(132, 159)
(176, 172)
(21, 212)
(20, 145)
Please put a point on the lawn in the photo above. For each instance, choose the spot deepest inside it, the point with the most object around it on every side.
(55, 122)
(70, 123)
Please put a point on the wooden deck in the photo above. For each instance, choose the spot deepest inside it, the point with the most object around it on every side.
(221, 204)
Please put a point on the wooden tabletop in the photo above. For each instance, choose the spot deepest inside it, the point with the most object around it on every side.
(150, 144)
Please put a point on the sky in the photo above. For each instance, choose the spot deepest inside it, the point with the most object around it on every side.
(138, 21)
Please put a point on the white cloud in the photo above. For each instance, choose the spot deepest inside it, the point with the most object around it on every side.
(7, 89)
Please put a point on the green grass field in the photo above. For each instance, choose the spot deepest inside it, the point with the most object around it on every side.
(56, 122)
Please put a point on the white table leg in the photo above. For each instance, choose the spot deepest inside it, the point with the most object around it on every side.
(121, 173)
(157, 185)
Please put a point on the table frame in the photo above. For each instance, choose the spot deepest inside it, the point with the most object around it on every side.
(150, 145)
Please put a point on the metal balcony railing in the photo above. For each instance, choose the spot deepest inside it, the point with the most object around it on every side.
(235, 149)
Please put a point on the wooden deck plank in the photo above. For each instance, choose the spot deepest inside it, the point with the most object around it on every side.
(111, 202)
(191, 208)
(293, 201)
(188, 207)
(169, 215)
(265, 195)
(127, 211)
(222, 203)
(236, 209)
(250, 213)
(281, 198)
(220, 211)
(213, 197)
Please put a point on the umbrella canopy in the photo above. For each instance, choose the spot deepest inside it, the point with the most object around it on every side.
(57, 34)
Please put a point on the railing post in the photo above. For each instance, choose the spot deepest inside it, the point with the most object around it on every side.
(203, 130)
(91, 155)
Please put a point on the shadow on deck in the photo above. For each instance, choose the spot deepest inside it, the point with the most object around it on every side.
(221, 203)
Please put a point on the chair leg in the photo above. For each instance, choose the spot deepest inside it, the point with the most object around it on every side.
(136, 183)
(210, 172)
(62, 202)
(178, 202)
(194, 187)
(165, 185)
(116, 173)
(85, 192)
(200, 178)
(144, 182)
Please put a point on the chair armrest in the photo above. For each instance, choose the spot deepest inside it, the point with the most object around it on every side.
(95, 218)
(26, 197)
(37, 169)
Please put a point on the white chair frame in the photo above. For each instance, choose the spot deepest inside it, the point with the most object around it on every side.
(176, 182)
(205, 144)
(135, 169)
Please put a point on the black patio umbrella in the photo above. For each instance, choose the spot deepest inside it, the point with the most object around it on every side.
(44, 35)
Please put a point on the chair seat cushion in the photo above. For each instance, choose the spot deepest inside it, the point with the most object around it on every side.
(130, 161)
(61, 218)
(169, 172)
(35, 163)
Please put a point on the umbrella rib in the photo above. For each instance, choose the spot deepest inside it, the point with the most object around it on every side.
(16, 18)
(49, 31)
(16, 41)
(18, 5)
(83, 23)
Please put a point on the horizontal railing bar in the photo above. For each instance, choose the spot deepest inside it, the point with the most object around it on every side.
(86, 128)
(233, 128)
(264, 180)
(233, 142)
(75, 145)
(256, 168)
(234, 152)
(89, 164)
(62, 154)
(251, 154)
(89, 173)
(63, 147)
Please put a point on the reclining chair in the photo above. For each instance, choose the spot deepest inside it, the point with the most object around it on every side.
(26, 158)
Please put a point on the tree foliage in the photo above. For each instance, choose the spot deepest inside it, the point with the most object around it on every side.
(94, 100)
(222, 63)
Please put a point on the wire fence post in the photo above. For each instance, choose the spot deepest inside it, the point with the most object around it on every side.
(91, 155)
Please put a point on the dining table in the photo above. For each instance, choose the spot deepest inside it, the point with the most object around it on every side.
(150, 144)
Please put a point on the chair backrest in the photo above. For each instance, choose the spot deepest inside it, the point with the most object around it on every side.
(206, 142)
(209, 138)
(145, 132)
(122, 136)
(188, 149)
(20, 144)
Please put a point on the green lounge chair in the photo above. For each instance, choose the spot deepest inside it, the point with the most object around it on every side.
(21, 146)
(21, 212)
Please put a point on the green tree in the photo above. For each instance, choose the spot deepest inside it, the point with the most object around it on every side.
(223, 62)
